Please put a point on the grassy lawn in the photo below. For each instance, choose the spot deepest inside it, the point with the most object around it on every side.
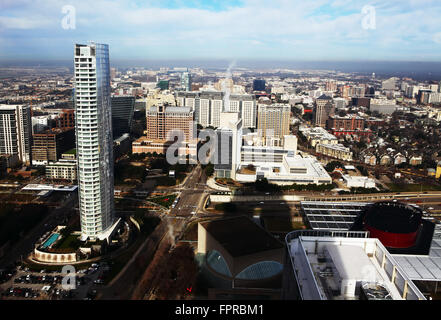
(412, 187)
(165, 201)
(69, 242)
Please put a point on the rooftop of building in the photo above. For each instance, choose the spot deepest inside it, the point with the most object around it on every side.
(324, 263)
(240, 236)
(324, 97)
(171, 109)
(71, 151)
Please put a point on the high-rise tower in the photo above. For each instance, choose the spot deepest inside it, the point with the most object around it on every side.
(93, 123)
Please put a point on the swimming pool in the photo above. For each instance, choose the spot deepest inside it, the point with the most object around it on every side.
(51, 240)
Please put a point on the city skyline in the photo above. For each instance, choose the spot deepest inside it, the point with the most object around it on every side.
(250, 29)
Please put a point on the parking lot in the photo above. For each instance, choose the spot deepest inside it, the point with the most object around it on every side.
(25, 284)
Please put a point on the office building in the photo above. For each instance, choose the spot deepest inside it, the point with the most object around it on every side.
(16, 132)
(324, 108)
(48, 146)
(122, 114)
(162, 121)
(259, 85)
(163, 85)
(164, 124)
(389, 84)
(273, 123)
(227, 153)
(383, 106)
(186, 81)
(94, 137)
(423, 96)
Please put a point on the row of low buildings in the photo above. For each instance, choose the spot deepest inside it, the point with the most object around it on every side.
(391, 159)
(326, 143)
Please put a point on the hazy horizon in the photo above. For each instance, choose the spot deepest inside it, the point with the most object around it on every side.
(414, 69)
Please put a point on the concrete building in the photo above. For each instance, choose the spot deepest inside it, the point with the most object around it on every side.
(348, 125)
(383, 106)
(246, 105)
(48, 146)
(324, 108)
(337, 151)
(64, 169)
(343, 266)
(94, 140)
(318, 135)
(16, 129)
(358, 181)
(163, 121)
(227, 152)
(273, 123)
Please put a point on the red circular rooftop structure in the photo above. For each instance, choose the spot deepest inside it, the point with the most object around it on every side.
(395, 224)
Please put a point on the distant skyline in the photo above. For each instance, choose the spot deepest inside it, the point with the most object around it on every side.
(407, 30)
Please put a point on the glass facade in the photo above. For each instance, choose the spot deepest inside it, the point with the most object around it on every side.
(93, 122)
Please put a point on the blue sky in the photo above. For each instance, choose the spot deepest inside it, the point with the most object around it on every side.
(225, 29)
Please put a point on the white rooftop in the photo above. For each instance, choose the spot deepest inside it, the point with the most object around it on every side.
(353, 260)
(51, 187)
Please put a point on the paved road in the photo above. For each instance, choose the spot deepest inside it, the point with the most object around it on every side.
(191, 194)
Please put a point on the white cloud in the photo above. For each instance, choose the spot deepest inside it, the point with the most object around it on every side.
(272, 25)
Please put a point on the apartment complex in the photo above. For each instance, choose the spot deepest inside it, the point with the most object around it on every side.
(16, 131)
(337, 151)
(350, 124)
(273, 122)
(94, 140)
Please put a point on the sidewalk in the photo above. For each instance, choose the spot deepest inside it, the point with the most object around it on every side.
(213, 185)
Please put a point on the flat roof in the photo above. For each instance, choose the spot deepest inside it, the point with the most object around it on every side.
(240, 236)
(423, 268)
(351, 262)
(52, 187)
(354, 259)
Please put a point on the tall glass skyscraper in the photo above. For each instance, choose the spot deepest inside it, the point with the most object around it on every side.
(93, 123)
